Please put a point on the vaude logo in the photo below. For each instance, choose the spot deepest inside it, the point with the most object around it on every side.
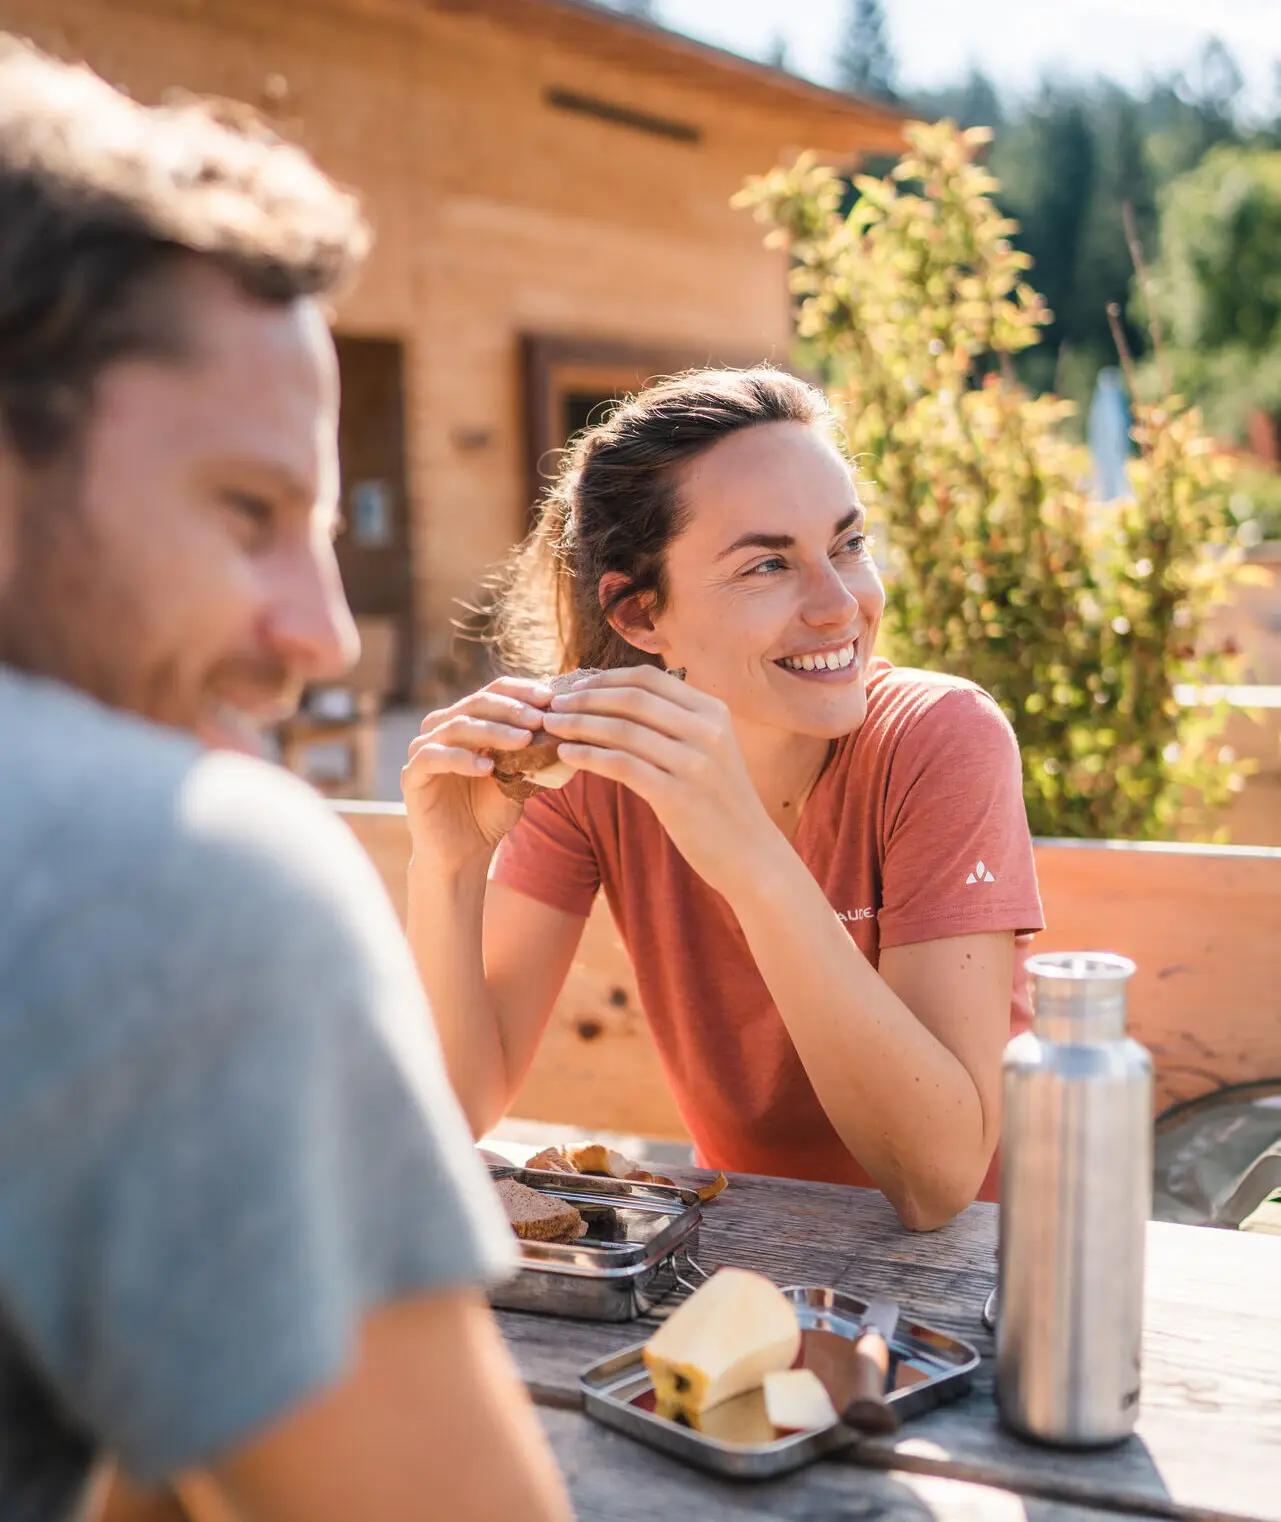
(980, 875)
(850, 915)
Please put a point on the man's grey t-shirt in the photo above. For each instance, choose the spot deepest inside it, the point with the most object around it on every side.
(225, 1131)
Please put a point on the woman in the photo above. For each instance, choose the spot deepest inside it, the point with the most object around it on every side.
(819, 863)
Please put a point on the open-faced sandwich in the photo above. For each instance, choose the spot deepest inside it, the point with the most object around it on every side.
(600, 1161)
(537, 1217)
(597, 1159)
(520, 773)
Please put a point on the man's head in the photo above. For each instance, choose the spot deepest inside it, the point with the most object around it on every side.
(168, 402)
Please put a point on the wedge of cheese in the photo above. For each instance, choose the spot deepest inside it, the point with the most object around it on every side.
(796, 1401)
(729, 1334)
(741, 1419)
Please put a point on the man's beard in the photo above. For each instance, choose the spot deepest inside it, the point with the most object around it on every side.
(70, 613)
(60, 616)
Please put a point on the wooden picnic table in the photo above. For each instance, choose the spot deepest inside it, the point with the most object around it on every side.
(1209, 1437)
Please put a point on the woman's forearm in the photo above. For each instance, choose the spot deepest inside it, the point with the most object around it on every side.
(904, 1105)
(445, 924)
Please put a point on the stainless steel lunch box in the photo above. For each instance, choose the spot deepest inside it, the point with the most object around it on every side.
(641, 1243)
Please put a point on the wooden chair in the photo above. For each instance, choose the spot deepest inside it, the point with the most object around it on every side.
(346, 716)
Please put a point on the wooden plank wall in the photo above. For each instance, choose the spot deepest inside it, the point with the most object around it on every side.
(1202, 922)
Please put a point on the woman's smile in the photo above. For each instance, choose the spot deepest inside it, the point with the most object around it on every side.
(825, 663)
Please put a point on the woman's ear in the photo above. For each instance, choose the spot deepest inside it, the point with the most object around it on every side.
(630, 617)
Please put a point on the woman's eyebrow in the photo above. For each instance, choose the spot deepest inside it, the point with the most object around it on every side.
(785, 541)
(758, 541)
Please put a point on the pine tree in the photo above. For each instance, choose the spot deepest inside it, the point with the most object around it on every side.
(972, 102)
(865, 62)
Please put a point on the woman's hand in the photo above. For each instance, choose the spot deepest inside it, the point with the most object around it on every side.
(455, 809)
(674, 747)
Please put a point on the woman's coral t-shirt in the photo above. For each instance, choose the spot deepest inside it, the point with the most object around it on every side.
(915, 831)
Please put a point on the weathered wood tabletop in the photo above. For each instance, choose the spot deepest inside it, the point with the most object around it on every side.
(611, 1478)
(1209, 1436)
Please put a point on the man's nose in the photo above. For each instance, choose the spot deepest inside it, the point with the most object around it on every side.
(311, 625)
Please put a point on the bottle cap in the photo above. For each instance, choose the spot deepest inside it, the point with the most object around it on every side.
(1079, 995)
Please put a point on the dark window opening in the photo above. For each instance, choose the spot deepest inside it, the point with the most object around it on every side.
(584, 409)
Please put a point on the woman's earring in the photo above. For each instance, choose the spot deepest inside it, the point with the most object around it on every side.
(677, 671)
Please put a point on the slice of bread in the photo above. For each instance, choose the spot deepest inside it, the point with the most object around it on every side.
(551, 1160)
(537, 1217)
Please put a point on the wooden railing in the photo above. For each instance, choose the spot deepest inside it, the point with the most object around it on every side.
(1202, 922)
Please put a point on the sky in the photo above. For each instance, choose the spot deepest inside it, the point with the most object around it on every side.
(1015, 41)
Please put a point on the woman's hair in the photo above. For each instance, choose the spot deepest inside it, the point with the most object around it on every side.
(616, 506)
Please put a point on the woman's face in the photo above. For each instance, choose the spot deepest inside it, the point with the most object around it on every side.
(773, 598)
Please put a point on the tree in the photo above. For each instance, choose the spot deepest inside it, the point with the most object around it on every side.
(1070, 165)
(1079, 618)
(777, 54)
(1048, 171)
(865, 62)
(975, 102)
(1215, 287)
(1189, 114)
(1122, 207)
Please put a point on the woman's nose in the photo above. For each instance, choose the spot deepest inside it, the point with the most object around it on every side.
(829, 600)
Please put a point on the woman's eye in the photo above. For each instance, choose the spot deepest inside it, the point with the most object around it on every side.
(763, 567)
(256, 511)
(856, 545)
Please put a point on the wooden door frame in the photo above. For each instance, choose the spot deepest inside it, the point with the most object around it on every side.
(553, 364)
(404, 617)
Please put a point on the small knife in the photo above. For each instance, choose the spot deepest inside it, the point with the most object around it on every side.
(867, 1408)
(855, 1371)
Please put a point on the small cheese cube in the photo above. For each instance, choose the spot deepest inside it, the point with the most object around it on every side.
(795, 1401)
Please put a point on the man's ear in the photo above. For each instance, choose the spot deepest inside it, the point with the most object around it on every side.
(631, 616)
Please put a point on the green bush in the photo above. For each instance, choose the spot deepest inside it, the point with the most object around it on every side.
(1256, 502)
(1080, 618)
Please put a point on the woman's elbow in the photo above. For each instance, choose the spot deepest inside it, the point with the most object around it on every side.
(922, 1214)
(926, 1205)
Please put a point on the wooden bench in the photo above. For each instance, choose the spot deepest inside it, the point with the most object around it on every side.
(1202, 922)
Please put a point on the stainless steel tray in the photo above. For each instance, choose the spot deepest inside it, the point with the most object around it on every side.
(640, 1238)
(613, 1387)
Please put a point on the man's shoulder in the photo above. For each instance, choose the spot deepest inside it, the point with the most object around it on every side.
(105, 809)
(57, 738)
(253, 879)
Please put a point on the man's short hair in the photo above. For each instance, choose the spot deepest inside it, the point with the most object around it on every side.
(99, 195)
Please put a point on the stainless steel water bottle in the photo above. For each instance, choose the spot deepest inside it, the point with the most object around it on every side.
(1076, 1193)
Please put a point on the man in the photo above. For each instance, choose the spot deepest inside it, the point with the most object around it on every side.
(242, 1232)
